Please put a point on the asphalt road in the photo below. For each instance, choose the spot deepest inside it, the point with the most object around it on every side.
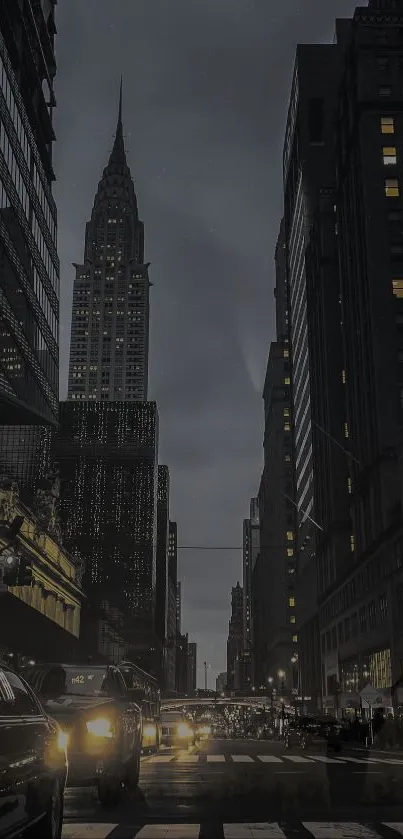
(232, 789)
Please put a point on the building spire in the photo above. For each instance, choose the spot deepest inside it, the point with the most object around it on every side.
(118, 152)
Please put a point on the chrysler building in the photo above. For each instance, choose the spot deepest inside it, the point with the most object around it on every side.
(110, 320)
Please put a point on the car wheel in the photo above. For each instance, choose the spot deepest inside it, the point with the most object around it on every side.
(50, 827)
(133, 775)
(109, 792)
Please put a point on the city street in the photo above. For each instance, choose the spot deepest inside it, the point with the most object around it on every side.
(233, 789)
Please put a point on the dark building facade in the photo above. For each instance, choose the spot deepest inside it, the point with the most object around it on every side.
(107, 456)
(171, 642)
(360, 599)
(110, 323)
(161, 593)
(251, 545)
(179, 607)
(181, 666)
(192, 668)
(308, 165)
(29, 266)
(235, 634)
(274, 573)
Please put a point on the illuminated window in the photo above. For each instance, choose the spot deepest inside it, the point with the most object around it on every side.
(287, 380)
(290, 551)
(397, 288)
(287, 426)
(286, 412)
(286, 353)
(346, 431)
(389, 154)
(292, 619)
(343, 377)
(392, 188)
(290, 536)
(295, 639)
(291, 601)
(352, 543)
(349, 486)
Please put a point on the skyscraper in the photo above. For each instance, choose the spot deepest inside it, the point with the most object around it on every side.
(251, 546)
(29, 266)
(171, 643)
(110, 323)
(274, 572)
(161, 598)
(107, 448)
(192, 668)
(235, 634)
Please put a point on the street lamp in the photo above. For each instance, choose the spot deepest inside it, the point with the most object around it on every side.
(270, 682)
(281, 675)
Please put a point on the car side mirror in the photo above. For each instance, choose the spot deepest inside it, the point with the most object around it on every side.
(136, 694)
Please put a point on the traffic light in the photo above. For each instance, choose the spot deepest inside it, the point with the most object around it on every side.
(24, 573)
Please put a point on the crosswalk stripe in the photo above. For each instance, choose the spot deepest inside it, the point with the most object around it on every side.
(242, 758)
(169, 831)
(397, 826)
(297, 759)
(269, 759)
(215, 758)
(91, 830)
(355, 759)
(340, 830)
(188, 759)
(271, 830)
(325, 759)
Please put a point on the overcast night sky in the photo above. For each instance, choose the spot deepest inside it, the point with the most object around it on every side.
(206, 88)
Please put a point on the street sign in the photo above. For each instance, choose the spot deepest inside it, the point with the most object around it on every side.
(371, 696)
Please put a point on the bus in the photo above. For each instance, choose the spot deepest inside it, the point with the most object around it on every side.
(138, 679)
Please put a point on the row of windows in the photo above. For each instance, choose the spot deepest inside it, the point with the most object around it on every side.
(49, 213)
(359, 622)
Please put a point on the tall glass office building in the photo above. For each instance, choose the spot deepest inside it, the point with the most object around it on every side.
(29, 268)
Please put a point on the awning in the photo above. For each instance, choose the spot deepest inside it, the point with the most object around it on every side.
(27, 632)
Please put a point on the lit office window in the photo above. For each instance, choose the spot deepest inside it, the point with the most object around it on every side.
(346, 431)
(387, 125)
(397, 288)
(349, 485)
(343, 376)
(295, 639)
(291, 601)
(290, 536)
(389, 154)
(392, 188)
(292, 619)
(352, 543)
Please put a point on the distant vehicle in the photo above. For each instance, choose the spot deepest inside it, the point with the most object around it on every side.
(33, 763)
(149, 697)
(176, 730)
(101, 722)
(307, 732)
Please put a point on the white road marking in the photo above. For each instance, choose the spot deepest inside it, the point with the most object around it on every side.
(169, 831)
(161, 759)
(355, 759)
(242, 758)
(215, 758)
(397, 826)
(340, 830)
(87, 831)
(188, 759)
(269, 830)
(297, 759)
(325, 759)
(390, 761)
(269, 759)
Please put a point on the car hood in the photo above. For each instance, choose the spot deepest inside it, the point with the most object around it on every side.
(67, 707)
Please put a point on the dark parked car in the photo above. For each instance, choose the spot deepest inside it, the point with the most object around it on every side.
(33, 763)
(101, 721)
(307, 732)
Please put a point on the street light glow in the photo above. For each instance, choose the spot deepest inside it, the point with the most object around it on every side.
(281, 674)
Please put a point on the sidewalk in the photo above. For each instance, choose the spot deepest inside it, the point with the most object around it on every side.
(392, 751)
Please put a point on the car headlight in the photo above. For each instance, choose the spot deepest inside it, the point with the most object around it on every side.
(62, 740)
(100, 728)
(150, 731)
(184, 730)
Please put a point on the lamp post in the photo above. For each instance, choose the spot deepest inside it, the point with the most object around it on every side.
(270, 683)
(281, 675)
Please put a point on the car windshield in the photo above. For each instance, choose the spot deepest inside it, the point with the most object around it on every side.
(74, 681)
